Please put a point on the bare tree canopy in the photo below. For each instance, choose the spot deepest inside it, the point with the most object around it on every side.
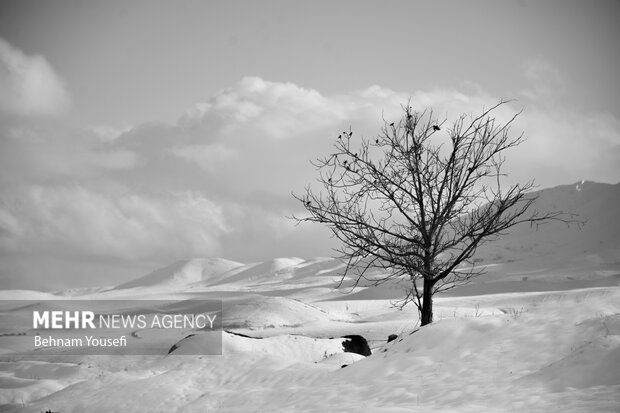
(405, 203)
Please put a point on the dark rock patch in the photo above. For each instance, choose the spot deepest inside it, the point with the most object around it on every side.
(356, 344)
(176, 346)
(241, 335)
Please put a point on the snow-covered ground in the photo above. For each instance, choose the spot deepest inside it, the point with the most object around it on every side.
(511, 352)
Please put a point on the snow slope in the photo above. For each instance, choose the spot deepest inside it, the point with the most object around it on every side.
(534, 352)
(557, 246)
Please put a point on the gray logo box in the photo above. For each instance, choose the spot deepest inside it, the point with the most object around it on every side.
(110, 327)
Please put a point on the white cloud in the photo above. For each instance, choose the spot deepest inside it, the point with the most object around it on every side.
(209, 156)
(29, 86)
(109, 133)
(76, 221)
(271, 110)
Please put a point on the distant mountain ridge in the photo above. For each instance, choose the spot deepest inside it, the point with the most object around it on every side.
(185, 272)
(597, 205)
(594, 248)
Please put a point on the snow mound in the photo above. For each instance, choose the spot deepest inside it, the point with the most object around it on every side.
(342, 359)
(468, 358)
(594, 363)
(186, 272)
(298, 348)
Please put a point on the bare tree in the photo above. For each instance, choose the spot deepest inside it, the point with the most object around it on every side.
(407, 204)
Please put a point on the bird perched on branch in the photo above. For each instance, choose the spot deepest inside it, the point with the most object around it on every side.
(436, 128)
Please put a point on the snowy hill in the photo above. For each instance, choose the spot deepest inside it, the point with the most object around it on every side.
(182, 273)
(557, 256)
(278, 269)
(598, 241)
(278, 276)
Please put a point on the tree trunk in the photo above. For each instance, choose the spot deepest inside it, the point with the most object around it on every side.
(427, 303)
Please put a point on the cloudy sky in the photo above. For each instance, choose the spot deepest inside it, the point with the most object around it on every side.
(137, 133)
